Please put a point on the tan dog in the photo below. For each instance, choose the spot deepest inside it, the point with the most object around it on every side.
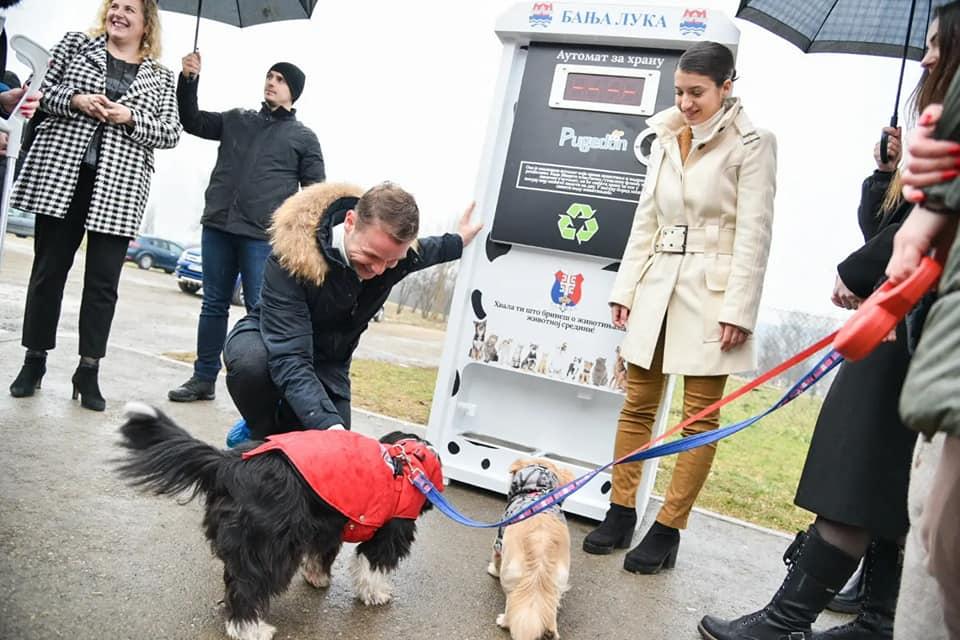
(532, 557)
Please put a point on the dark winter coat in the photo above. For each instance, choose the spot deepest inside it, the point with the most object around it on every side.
(264, 158)
(858, 467)
(313, 308)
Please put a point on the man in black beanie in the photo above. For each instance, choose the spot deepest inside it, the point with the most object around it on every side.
(265, 157)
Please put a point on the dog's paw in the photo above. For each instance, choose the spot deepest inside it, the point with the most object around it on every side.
(313, 573)
(371, 586)
(250, 630)
(502, 621)
(493, 570)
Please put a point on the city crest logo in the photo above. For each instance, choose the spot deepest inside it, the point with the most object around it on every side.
(541, 15)
(694, 22)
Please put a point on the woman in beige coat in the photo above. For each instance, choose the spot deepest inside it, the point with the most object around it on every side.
(689, 287)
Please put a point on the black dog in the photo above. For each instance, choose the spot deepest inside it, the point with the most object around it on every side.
(263, 512)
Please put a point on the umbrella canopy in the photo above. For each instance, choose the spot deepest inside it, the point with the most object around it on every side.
(241, 13)
(866, 27)
(891, 28)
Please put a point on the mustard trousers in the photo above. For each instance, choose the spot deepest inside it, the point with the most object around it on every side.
(644, 391)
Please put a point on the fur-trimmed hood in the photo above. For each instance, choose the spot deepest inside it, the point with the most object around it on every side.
(293, 233)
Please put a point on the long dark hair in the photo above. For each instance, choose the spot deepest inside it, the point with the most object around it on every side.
(933, 84)
(932, 88)
(710, 59)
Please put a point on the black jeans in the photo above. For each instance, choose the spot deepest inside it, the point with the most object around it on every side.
(55, 243)
(255, 395)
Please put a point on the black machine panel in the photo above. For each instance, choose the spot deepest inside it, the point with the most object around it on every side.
(572, 177)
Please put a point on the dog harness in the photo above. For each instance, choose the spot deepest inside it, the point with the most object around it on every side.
(528, 485)
(358, 476)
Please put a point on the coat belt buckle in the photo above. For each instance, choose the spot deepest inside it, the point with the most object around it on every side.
(673, 239)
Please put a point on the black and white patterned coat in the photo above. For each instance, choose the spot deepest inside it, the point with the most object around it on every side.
(125, 165)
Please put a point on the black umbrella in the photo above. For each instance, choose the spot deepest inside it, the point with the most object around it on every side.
(890, 28)
(240, 13)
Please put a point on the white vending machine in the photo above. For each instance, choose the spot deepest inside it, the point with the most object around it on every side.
(531, 363)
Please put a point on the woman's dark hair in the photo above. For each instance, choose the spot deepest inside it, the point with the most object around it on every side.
(933, 84)
(932, 88)
(710, 59)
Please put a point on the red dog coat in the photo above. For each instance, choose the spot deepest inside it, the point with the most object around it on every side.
(355, 474)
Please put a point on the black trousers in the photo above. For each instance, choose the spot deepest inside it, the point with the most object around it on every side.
(256, 396)
(55, 243)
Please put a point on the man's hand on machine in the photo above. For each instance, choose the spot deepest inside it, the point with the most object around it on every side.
(468, 229)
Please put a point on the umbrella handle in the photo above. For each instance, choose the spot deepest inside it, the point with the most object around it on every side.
(885, 139)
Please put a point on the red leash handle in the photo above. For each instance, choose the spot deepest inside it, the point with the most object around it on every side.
(879, 314)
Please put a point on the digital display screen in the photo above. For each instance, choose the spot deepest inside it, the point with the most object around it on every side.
(594, 87)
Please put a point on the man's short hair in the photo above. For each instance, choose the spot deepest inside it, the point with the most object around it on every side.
(393, 208)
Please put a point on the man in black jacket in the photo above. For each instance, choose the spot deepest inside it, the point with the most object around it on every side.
(337, 253)
(264, 157)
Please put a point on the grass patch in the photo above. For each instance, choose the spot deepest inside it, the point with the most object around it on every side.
(414, 318)
(395, 390)
(755, 473)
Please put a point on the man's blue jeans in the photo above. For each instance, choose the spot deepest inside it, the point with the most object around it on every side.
(225, 256)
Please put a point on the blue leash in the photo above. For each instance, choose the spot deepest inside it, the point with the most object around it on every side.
(558, 495)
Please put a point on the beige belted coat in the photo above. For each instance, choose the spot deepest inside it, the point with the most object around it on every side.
(724, 195)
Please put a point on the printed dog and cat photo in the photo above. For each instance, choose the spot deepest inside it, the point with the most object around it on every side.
(558, 361)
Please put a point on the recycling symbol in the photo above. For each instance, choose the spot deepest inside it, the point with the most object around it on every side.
(569, 229)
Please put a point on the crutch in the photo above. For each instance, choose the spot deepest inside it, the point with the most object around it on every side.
(37, 58)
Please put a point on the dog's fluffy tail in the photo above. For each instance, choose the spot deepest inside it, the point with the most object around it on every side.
(162, 457)
(538, 591)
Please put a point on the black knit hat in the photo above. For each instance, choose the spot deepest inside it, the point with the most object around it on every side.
(293, 76)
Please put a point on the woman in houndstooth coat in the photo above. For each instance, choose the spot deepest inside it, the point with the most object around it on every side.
(109, 104)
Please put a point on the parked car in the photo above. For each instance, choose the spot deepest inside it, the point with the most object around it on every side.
(20, 223)
(189, 272)
(151, 252)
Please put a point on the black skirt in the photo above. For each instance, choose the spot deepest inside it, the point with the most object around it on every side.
(858, 466)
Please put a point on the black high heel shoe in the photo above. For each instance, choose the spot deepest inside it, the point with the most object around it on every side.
(657, 551)
(86, 386)
(31, 373)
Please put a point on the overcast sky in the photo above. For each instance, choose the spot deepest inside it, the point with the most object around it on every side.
(403, 91)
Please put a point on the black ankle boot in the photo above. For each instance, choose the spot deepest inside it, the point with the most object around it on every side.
(86, 386)
(31, 373)
(657, 551)
(881, 585)
(615, 532)
(816, 571)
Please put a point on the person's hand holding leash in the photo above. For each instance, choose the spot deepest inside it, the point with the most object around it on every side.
(468, 229)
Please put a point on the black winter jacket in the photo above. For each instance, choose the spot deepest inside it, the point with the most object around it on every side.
(313, 308)
(863, 270)
(264, 158)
